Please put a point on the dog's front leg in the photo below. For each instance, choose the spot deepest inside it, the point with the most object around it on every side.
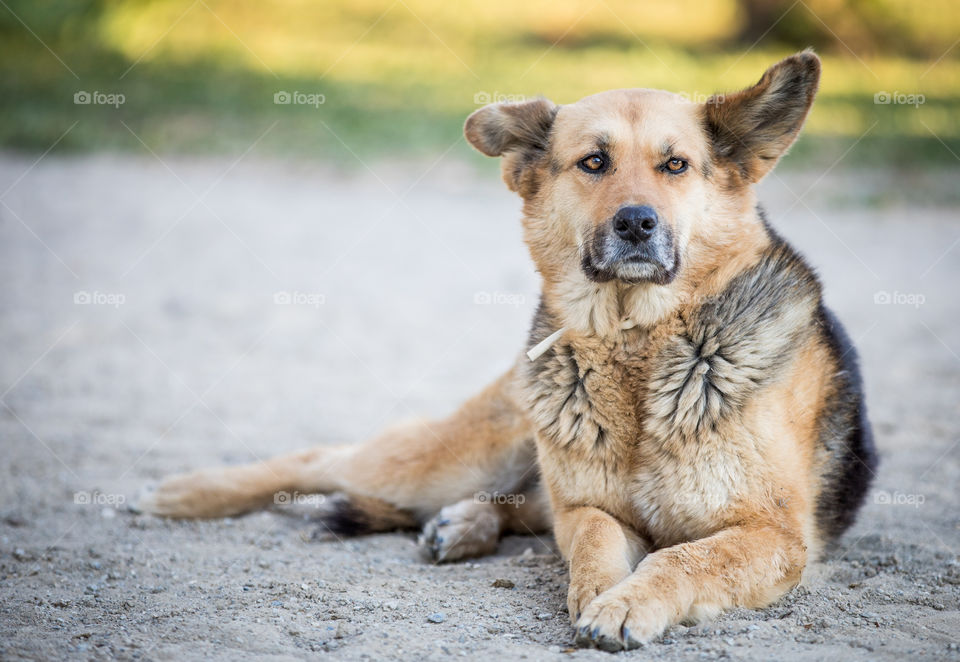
(601, 550)
(748, 566)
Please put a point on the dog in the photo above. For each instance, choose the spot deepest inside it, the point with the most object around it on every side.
(689, 420)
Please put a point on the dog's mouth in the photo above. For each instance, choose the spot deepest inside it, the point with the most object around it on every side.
(606, 257)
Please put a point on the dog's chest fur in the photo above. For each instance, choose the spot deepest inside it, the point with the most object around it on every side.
(653, 418)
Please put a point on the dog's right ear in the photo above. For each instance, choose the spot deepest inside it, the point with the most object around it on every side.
(519, 132)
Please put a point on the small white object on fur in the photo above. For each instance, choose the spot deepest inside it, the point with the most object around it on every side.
(537, 350)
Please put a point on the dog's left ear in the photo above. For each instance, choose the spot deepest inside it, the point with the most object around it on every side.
(519, 132)
(750, 130)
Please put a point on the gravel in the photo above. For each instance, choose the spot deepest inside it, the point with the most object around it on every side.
(142, 334)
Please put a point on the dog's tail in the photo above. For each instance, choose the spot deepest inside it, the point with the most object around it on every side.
(353, 515)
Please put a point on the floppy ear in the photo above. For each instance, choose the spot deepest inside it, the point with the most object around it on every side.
(752, 129)
(519, 132)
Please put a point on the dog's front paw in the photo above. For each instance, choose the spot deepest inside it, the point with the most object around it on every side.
(621, 619)
(462, 531)
(584, 590)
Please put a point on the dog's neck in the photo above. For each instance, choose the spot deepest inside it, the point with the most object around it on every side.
(606, 310)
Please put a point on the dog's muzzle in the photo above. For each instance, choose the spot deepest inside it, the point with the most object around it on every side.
(633, 247)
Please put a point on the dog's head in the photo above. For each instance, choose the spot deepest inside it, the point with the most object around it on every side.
(619, 187)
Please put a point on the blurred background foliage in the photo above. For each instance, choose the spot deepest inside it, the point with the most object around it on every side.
(399, 76)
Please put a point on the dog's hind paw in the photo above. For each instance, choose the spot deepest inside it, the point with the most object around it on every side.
(464, 530)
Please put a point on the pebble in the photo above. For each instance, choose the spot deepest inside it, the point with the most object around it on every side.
(436, 618)
(502, 583)
(544, 616)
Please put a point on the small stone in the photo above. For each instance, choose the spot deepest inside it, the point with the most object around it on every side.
(14, 520)
(436, 618)
(544, 616)
(502, 583)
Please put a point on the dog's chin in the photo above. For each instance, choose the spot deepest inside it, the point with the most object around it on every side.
(633, 271)
(636, 271)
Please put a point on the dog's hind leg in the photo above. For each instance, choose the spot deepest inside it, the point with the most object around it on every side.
(398, 479)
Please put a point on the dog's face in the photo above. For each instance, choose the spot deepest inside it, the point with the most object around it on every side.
(618, 185)
(624, 177)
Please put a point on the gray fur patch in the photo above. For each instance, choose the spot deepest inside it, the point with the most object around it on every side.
(733, 346)
(559, 402)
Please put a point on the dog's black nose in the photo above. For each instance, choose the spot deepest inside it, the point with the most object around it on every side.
(635, 223)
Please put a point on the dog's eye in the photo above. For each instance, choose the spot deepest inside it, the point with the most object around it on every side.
(594, 163)
(675, 166)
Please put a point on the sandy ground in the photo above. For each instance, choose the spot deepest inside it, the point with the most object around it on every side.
(145, 332)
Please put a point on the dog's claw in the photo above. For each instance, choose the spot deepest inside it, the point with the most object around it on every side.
(582, 639)
(609, 644)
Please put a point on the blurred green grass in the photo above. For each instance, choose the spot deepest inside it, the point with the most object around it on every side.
(398, 77)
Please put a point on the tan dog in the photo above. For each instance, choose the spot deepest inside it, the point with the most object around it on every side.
(690, 421)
